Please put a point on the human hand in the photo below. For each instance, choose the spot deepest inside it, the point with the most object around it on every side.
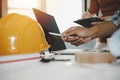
(88, 15)
(98, 21)
(94, 23)
(104, 18)
(77, 35)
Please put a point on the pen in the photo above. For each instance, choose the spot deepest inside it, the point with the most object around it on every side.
(57, 34)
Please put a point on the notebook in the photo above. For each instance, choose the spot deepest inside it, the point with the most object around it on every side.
(49, 24)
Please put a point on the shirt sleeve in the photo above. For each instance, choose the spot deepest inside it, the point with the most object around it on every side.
(116, 18)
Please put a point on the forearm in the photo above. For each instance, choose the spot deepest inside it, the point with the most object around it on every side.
(103, 30)
(94, 7)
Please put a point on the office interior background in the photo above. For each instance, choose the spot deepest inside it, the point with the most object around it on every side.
(64, 11)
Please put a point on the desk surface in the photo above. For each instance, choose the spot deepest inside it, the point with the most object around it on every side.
(69, 70)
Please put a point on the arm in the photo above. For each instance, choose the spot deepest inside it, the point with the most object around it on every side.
(102, 30)
(83, 35)
(94, 7)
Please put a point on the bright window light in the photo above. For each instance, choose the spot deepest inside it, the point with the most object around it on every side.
(22, 3)
(23, 7)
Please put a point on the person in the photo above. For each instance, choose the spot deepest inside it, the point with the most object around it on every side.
(114, 43)
(80, 35)
(107, 8)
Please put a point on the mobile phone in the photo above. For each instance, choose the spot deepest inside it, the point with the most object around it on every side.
(87, 22)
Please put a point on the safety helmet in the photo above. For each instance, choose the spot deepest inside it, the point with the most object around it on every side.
(20, 34)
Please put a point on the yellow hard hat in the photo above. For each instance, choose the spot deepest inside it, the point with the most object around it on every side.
(20, 34)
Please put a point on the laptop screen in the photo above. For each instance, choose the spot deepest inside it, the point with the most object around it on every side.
(48, 24)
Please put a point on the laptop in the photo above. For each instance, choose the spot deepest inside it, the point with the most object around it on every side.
(49, 24)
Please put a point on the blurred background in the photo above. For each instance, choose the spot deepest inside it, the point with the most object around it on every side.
(64, 11)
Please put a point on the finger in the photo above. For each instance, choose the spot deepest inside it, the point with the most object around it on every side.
(94, 23)
(78, 42)
(82, 41)
(86, 15)
(94, 15)
(65, 34)
(63, 37)
(102, 18)
(73, 39)
(87, 40)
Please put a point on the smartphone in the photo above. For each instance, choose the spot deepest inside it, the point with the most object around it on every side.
(87, 22)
